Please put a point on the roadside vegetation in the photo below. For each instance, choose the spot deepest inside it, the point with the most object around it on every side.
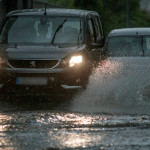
(112, 12)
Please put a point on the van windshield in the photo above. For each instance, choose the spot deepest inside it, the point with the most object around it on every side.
(41, 29)
(125, 46)
(129, 46)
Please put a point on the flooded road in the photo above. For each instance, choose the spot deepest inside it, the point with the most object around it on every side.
(64, 130)
(112, 113)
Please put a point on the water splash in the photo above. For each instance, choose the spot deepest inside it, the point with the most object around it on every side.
(117, 85)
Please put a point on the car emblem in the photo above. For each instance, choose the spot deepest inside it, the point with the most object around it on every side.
(32, 64)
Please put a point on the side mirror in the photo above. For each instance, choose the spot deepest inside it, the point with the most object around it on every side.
(99, 42)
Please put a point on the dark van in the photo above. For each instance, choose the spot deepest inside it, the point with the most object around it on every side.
(49, 48)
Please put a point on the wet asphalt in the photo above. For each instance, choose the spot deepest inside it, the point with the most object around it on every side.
(24, 127)
(112, 113)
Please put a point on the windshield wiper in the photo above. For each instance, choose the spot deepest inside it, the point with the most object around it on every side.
(59, 27)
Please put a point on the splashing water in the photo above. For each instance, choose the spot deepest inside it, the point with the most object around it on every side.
(117, 85)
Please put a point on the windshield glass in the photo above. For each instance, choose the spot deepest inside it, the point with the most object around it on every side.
(125, 46)
(41, 29)
(129, 46)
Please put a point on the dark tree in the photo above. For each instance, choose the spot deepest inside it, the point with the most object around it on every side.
(10, 5)
(25, 4)
(85, 4)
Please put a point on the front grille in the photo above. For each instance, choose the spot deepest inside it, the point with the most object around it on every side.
(33, 63)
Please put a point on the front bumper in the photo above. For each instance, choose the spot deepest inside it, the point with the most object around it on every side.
(65, 77)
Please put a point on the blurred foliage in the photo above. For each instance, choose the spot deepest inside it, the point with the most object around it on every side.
(112, 12)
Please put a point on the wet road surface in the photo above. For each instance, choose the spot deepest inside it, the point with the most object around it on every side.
(112, 113)
(64, 130)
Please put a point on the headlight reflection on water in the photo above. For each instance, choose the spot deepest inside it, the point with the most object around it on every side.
(46, 130)
(73, 130)
(3, 119)
(81, 138)
(71, 120)
(5, 141)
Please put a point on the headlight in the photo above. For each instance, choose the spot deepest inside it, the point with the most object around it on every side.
(75, 60)
(2, 62)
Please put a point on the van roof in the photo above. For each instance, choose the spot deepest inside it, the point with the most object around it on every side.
(129, 31)
(52, 12)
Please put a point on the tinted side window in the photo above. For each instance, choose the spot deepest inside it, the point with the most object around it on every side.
(91, 30)
(99, 25)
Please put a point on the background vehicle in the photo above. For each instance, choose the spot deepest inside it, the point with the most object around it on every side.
(130, 49)
(49, 48)
(129, 42)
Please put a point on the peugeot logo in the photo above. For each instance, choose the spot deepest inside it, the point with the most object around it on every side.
(32, 63)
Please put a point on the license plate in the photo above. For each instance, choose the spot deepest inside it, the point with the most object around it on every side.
(31, 80)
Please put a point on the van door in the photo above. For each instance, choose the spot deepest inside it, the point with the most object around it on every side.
(101, 51)
(94, 31)
(91, 38)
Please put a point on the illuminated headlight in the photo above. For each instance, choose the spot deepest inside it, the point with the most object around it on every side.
(75, 60)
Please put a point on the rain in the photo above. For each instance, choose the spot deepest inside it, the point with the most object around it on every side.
(107, 107)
